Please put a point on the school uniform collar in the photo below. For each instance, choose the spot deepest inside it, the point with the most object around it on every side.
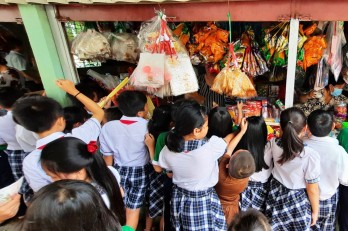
(43, 141)
(324, 139)
(131, 120)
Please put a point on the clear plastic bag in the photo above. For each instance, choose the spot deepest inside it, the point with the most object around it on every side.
(108, 82)
(335, 40)
(322, 76)
(124, 47)
(91, 45)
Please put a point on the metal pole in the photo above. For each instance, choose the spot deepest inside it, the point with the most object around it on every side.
(292, 58)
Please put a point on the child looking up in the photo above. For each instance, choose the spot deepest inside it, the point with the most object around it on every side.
(333, 163)
(71, 158)
(45, 117)
(295, 175)
(255, 140)
(122, 144)
(69, 205)
(195, 204)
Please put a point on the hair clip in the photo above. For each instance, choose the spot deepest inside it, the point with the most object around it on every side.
(92, 147)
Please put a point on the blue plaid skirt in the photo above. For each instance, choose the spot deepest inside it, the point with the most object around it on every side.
(254, 196)
(200, 210)
(134, 181)
(327, 214)
(287, 209)
(15, 159)
(155, 194)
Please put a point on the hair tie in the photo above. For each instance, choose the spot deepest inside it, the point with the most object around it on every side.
(92, 147)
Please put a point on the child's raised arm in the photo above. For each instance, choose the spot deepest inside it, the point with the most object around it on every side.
(234, 142)
(240, 112)
(150, 143)
(69, 87)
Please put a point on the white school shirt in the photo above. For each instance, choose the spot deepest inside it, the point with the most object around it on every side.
(104, 196)
(333, 164)
(264, 174)
(195, 170)
(124, 140)
(16, 60)
(26, 139)
(8, 132)
(294, 173)
(33, 172)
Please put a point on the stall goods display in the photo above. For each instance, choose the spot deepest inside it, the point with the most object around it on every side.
(211, 43)
(164, 66)
(91, 45)
(253, 63)
(124, 47)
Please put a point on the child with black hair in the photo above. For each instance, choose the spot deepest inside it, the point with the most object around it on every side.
(8, 97)
(71, 158)
(69, 205)
(293, 199)
(193, 161)
(158, 126)
(334, 165)
(74, 117)
(112, 113)
(122, 144)
(45, 116)
(255, 140)
(250, 220)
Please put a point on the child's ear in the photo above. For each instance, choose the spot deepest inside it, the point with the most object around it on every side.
(196, 131)
(333, 126)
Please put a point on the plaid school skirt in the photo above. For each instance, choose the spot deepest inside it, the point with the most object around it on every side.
(327, 214)
(155, 194)
(15, 159)
(254, 196)
(287, 209)
(134, 181)
(200, 210)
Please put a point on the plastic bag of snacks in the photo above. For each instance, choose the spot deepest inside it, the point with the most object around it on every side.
(231, 81)
(181, 74)
(91, 45)
(322, 76)
(314, 49)
(124, 47)
(150, 71)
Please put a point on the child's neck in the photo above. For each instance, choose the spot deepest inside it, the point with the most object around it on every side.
(47, 133)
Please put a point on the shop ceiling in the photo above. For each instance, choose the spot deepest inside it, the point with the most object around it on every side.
(193, 10)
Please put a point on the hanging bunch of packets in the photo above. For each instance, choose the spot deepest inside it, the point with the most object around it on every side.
(164, 67)
(276, 42)
(231, 81)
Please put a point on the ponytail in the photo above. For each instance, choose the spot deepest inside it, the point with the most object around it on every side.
(69, 155)
(292, 122)
(102, 175)
(187, 115)
(174, 142)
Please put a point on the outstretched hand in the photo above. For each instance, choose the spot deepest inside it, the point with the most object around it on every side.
(67, 86)
(243, 125)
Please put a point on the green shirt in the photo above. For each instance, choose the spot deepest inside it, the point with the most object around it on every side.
(160, 143)
(3, 147)
(343, 138)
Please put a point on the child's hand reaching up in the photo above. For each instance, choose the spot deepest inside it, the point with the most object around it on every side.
(243, 125)
(240, 111)
(67, 86)
(234, 142)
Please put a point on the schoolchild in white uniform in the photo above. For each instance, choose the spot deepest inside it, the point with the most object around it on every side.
(122, 144)
(193, 161)
(333, 163)
(296, 173)
(255, 140)
(15, 153)
(44, 116)
(71, 158)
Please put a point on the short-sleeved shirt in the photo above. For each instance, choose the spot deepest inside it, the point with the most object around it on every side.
(295, 173)
(16, 60)
(102, 191)
(263, 175)
(26, 139)
(8, 132)
(124, 140)
(343, 138)
(33, 172)
(197, 169)
(160, 143)
(333, 163)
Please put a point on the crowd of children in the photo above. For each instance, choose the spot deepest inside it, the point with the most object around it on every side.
(90, 169)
